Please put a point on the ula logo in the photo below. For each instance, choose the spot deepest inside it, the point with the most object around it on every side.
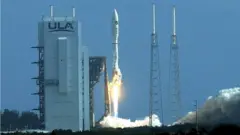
(57, 26)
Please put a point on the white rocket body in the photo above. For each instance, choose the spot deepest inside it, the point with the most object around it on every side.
(116, 73)
(115, 35)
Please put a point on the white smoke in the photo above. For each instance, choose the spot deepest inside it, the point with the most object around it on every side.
(223, 108)
(115, 122)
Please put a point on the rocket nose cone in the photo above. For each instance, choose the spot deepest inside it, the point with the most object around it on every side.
(115, 11)
(115, 15)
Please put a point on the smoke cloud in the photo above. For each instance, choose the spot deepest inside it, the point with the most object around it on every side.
(116, 122)
(223, 108)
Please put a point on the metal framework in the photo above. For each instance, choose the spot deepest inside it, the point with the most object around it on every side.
(155, 99)
(174, 73)
(97, 65)
(40, 82)
(82, 62)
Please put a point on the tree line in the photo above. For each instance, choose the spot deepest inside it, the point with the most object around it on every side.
(12, 120)
(218, 130)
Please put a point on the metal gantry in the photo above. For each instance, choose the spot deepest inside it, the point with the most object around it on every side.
(40, 82)
(174, 73)
(97, 65)
(155, 99)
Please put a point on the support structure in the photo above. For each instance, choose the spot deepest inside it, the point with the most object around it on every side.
(155, 99)
(63, 77)
(174, 73)
(107, 102)
(97, 65)
(40, 82)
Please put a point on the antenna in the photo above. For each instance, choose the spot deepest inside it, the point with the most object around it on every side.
(174, 72)
(155, 99)
(174, 21)
(73, 11)
(154, 19)
(51, 10)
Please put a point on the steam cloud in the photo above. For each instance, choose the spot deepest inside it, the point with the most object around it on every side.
(116, 122)
(223, 108)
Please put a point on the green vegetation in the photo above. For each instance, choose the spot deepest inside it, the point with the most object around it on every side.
(13, 120)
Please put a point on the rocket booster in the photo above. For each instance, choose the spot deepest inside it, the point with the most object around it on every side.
(115, 35)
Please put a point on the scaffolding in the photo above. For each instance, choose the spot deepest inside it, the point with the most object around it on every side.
(174, 73)
(40, 83)
(97, 65)
(155, 99)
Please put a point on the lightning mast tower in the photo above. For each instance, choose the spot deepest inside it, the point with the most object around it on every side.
(155, 99)
(174, 73)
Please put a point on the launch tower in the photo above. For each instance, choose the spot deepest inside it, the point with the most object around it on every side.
(174, 73)
(97, 66)
(63, 74)
(155, 99)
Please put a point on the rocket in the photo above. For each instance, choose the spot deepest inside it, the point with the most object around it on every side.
(115, 35)
(116, 73)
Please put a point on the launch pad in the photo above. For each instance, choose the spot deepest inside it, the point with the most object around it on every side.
(74, 75)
